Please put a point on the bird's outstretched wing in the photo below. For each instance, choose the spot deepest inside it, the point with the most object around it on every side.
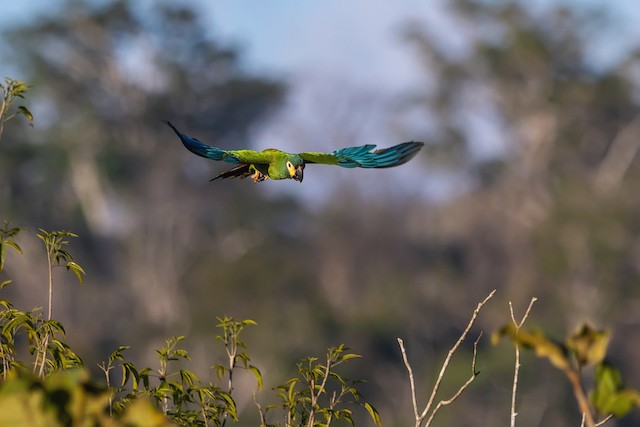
(364, 157)
(202, 149)
(230, 156)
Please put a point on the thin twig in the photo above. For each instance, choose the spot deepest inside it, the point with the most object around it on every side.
(263, 419)
(600, 423)
(463, 387)
(516, 371)
(603, 421)
(411, 381)
(419, 417)
(452, 351)
(232, 351)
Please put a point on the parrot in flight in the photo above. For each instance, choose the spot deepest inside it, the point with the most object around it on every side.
(276, 164)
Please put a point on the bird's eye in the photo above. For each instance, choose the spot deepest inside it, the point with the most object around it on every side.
(289, 165)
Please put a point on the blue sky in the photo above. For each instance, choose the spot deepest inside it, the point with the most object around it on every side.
(359, 38)
(352, 35)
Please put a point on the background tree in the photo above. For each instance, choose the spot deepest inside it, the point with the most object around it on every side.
(548, 213)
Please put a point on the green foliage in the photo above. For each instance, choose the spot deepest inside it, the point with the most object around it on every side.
(587, 347)
(9, 91)
(67, 398)
(54, 241)
(537, 341)
(45, 338)
(7, 234)
(319, 395)
(51, 352)
(231, 340)
(609, 395)
(180, 393)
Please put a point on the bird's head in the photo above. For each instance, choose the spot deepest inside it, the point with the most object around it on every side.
(295, 167)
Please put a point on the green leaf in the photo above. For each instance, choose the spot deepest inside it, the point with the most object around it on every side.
(537, 341)
(350, 356)
(76, 269)
(188, 377)
(25, 112)
(144, 376)
(589, 345)
(231, 405)
(257, 374)
(220, 371)
(117, 353)
(609, 396)
(13, 245)
(128, 371)
(373, 413)
(5, 283)
(7, 233)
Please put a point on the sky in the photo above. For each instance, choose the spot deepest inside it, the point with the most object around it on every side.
(325, 49)
(355, 40)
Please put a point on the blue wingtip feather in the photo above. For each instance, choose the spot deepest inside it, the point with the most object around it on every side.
(197, 147)
(364, 157)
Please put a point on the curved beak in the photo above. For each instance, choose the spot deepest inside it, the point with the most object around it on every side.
(298, 175)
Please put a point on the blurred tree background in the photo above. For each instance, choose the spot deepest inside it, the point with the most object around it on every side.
(552, 213)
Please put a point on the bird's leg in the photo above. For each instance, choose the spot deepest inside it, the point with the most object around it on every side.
(258, 176)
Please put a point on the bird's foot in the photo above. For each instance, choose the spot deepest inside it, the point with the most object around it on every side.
(258, 176)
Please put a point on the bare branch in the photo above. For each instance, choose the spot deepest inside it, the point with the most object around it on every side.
(516, 370)
(526, 314)
(263, 419)
(419, 417)
(411, 381)
(603, 421)
(463, 387)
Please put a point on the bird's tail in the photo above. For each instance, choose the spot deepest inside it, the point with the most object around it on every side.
(197, 147)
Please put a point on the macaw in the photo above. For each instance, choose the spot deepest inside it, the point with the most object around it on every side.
(276, 164)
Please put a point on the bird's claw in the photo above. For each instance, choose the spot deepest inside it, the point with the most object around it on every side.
(258, 176)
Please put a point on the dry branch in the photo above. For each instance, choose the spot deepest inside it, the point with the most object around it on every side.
(419, 417)
(516, 371)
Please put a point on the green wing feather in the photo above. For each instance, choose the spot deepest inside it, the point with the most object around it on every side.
(364, 156)
(230, 156)
(252, 156)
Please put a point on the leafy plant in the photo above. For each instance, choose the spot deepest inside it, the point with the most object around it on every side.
(7, 234)
(586, 347)
(180, 394)
(9, 91)
(67, 398)
(319, 394)
(45, 336)
(54, 241)
(107, 367)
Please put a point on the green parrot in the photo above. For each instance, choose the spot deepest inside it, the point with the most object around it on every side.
(276, 164)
